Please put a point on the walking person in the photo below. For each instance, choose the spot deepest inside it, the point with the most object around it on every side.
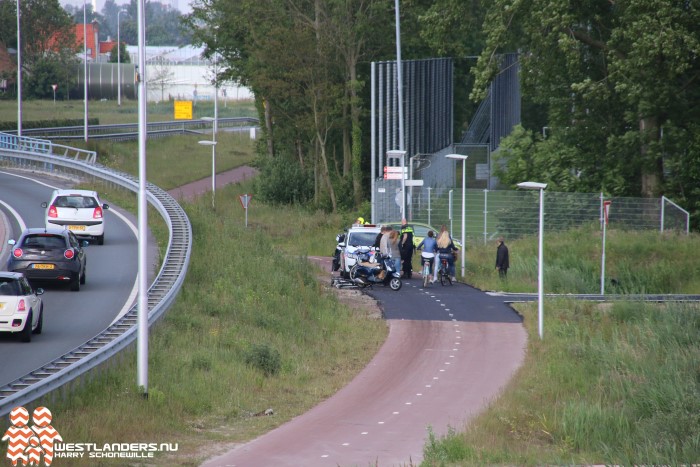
(406, 246)
(502, 260)
(393, 250)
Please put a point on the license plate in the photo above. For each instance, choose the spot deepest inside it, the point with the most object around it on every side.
(43, 266)
(76, 227)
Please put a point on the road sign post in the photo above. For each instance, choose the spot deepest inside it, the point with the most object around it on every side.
(245, 201)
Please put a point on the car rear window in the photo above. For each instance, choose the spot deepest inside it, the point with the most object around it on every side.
(75, 201)
(9, 286)
(43, 241)
(362, 238)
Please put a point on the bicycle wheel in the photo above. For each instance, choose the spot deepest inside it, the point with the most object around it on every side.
(426, 273)
(443, 276)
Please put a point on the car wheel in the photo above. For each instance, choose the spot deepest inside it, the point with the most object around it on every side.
(40, 323)
(26, 334)
(101, 240)
(82, 277)
(75, 283)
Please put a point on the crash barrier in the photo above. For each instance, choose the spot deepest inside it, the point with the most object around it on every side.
(130, 131)
(37, 156)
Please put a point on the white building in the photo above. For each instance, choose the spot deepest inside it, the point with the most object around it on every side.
(181, 73)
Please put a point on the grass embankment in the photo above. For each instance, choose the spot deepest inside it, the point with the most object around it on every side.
(608, 384)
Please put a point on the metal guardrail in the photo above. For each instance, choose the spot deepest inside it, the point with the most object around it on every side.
(122, 333)
(44, 146)
(127, 131)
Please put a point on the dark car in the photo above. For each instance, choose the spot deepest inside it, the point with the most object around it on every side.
(54, 255)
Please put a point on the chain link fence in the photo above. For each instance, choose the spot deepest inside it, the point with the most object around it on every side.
(515, 213)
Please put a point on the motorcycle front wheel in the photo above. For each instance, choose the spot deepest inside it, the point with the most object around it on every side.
(395, 283)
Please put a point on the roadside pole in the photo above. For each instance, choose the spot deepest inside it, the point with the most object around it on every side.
(606, 209)
(245, 201)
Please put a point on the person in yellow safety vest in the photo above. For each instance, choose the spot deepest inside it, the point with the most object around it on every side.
(361, 221)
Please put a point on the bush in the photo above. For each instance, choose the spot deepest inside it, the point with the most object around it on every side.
(264, 358)
(283, 181)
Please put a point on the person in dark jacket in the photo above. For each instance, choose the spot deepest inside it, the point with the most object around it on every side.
(406, 246)
(502, 260)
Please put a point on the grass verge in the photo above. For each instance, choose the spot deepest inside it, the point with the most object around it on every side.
(613, 384)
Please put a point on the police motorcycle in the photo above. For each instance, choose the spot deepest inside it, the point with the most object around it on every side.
(373, 268)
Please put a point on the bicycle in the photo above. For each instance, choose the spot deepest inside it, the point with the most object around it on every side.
(427, 269)
(444, 271)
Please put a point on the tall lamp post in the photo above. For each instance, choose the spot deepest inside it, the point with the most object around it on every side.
(464, 201)
(85, 68)
(19, 74)
(119, 62)
(540, 260)
(212, 143)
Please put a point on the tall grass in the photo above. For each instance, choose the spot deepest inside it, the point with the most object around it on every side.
(609, 384)
(636, 262)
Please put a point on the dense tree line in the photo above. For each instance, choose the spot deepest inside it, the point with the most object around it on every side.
(48, 44)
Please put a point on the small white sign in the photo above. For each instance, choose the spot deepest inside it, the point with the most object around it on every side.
(482, 171)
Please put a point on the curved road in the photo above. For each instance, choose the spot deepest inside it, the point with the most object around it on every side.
(449, 352)
(70, 318)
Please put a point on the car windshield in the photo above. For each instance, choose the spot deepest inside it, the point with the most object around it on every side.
(75, 201)
(9, 286)
(361, 238)
(43, 241)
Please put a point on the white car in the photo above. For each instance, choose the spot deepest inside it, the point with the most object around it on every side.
(358, 235)
(79, 211)
(21, 308)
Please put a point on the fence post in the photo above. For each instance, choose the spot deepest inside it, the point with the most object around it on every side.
(429, 205)
(486, 212)
(449, 204)
(601, 210)
(663, 205)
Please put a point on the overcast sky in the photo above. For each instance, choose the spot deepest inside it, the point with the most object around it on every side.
(182, 5)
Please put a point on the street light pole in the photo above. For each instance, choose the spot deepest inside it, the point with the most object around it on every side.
(464, 202)
(212, 143)
(119, 62)
(540, 260)
(85, 68)
(19, 73)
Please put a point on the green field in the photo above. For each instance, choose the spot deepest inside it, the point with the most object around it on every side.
(253, 329)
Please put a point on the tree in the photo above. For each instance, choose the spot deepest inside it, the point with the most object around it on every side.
(611, 76)
(48, 43)
(123, 54)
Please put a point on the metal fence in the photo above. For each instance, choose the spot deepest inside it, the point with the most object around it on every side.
(515, 213)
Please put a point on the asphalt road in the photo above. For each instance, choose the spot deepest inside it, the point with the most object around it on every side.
(70, 318)
(449, 352)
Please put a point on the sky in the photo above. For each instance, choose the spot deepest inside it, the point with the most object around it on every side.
(182, 5)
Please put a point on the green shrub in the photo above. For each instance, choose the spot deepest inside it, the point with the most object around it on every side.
(264, 358)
